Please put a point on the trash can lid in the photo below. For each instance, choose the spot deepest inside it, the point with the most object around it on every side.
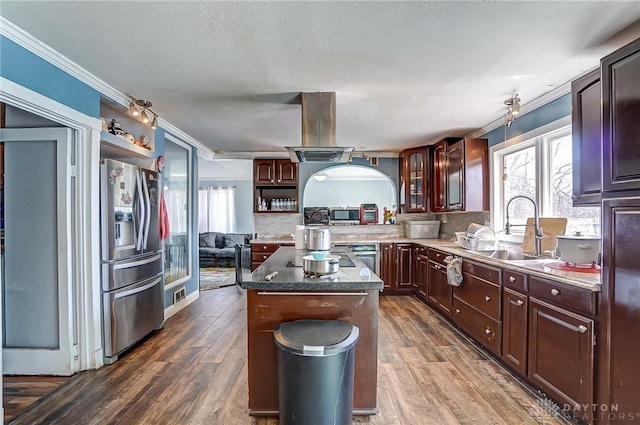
(316, 338)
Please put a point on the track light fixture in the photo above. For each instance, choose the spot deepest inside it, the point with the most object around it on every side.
(141, 109)
(513, 109)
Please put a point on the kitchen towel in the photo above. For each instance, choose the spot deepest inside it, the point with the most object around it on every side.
(454, 270)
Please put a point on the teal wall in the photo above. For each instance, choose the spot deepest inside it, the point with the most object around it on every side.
(545, 114)
(29, 70)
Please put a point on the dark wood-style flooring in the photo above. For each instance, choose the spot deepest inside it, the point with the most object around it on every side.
(195, 372)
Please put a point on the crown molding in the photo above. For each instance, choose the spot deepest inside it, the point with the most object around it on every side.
(202, 150)
(37, 47)
(539, 101)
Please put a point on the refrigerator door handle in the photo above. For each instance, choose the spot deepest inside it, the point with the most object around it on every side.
(145, 190)
(141, 212)
(137, 263)
(139, 289)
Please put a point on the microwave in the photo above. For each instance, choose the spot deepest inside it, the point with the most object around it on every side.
(344, 215)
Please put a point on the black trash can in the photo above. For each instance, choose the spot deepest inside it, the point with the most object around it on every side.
(315, 371)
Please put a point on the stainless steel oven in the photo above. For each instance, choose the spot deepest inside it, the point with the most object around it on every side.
(369, 254)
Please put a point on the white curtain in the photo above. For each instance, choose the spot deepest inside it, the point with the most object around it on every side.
(217, 210)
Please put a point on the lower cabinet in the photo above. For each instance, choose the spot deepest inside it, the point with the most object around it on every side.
(260, 252)
(396, 264)
(421, 277)
(439, 292)
(514, 330)
(561, 356)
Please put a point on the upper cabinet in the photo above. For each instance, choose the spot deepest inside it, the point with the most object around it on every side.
(451, 175)
(586, 123)
(439, 177)
(417, 171)
(275, 172)
(621, 118)
(275, 183)
(461, 175)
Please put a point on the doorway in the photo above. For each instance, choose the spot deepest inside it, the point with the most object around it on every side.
(38, 325)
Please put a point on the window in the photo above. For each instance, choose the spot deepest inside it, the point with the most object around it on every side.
(540, 168)
(176, 182)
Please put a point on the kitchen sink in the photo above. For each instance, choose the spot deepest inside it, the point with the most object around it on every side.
(504, 254)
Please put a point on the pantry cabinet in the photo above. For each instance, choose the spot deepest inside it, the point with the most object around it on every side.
(621, 118)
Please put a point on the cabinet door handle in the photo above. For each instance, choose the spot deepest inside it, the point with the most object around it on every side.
(458, 310)
(488, 331)
(512, 279)
(519, 302)
(487, 298)
(264, 247)
(582, 329)
(554, 292)
(264, 257)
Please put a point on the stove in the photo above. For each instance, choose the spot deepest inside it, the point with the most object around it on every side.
(572, 267)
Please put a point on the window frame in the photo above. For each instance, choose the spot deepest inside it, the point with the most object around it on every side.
(188, 148)
(541, 138)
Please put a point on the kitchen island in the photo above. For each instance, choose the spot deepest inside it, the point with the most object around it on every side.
(291, 295)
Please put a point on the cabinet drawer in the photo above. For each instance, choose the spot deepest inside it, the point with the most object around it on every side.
(484, 330)
(264, 247)
(259, 257)
(490, 274)
(563, 295)
(515, 280)
(421, 250)
(482, 295)
(437, 256)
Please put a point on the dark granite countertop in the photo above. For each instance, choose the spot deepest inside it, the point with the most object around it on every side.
(293, 278)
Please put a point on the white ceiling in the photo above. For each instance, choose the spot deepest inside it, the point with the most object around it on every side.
(404, 73)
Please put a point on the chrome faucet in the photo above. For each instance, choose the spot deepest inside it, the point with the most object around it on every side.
(537, 249)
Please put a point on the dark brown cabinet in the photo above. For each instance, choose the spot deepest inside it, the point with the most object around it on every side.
(439, 178)
(395, 267)
(439, 292)
(275, 172)
(275, 179)
(388, 270)
(421, 273)
(620, 306)
(586, 126)
(620, 73)
(260, 252)
(460, 176)
(514, 330)
(404, 258)
(417, 168)
(561, 356)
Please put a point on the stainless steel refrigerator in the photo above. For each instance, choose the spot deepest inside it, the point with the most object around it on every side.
(132, 284)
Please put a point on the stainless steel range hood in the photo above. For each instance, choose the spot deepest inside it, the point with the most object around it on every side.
(319, 131)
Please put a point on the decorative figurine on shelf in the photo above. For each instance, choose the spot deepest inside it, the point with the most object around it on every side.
(386, 215)
(115, 128)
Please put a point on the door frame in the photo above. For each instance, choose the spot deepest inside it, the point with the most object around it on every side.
(85, 272)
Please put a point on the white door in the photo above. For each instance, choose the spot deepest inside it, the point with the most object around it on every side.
(37, 279)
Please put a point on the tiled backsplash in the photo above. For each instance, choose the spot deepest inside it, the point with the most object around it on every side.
(282, 224)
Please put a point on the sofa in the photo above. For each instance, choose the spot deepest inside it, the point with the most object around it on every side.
(218, 249)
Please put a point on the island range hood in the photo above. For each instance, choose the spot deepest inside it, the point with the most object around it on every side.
(319, 131)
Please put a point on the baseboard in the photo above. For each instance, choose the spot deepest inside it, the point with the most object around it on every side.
(174, 308)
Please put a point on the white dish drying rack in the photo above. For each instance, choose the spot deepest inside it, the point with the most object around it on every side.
(477, 237)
